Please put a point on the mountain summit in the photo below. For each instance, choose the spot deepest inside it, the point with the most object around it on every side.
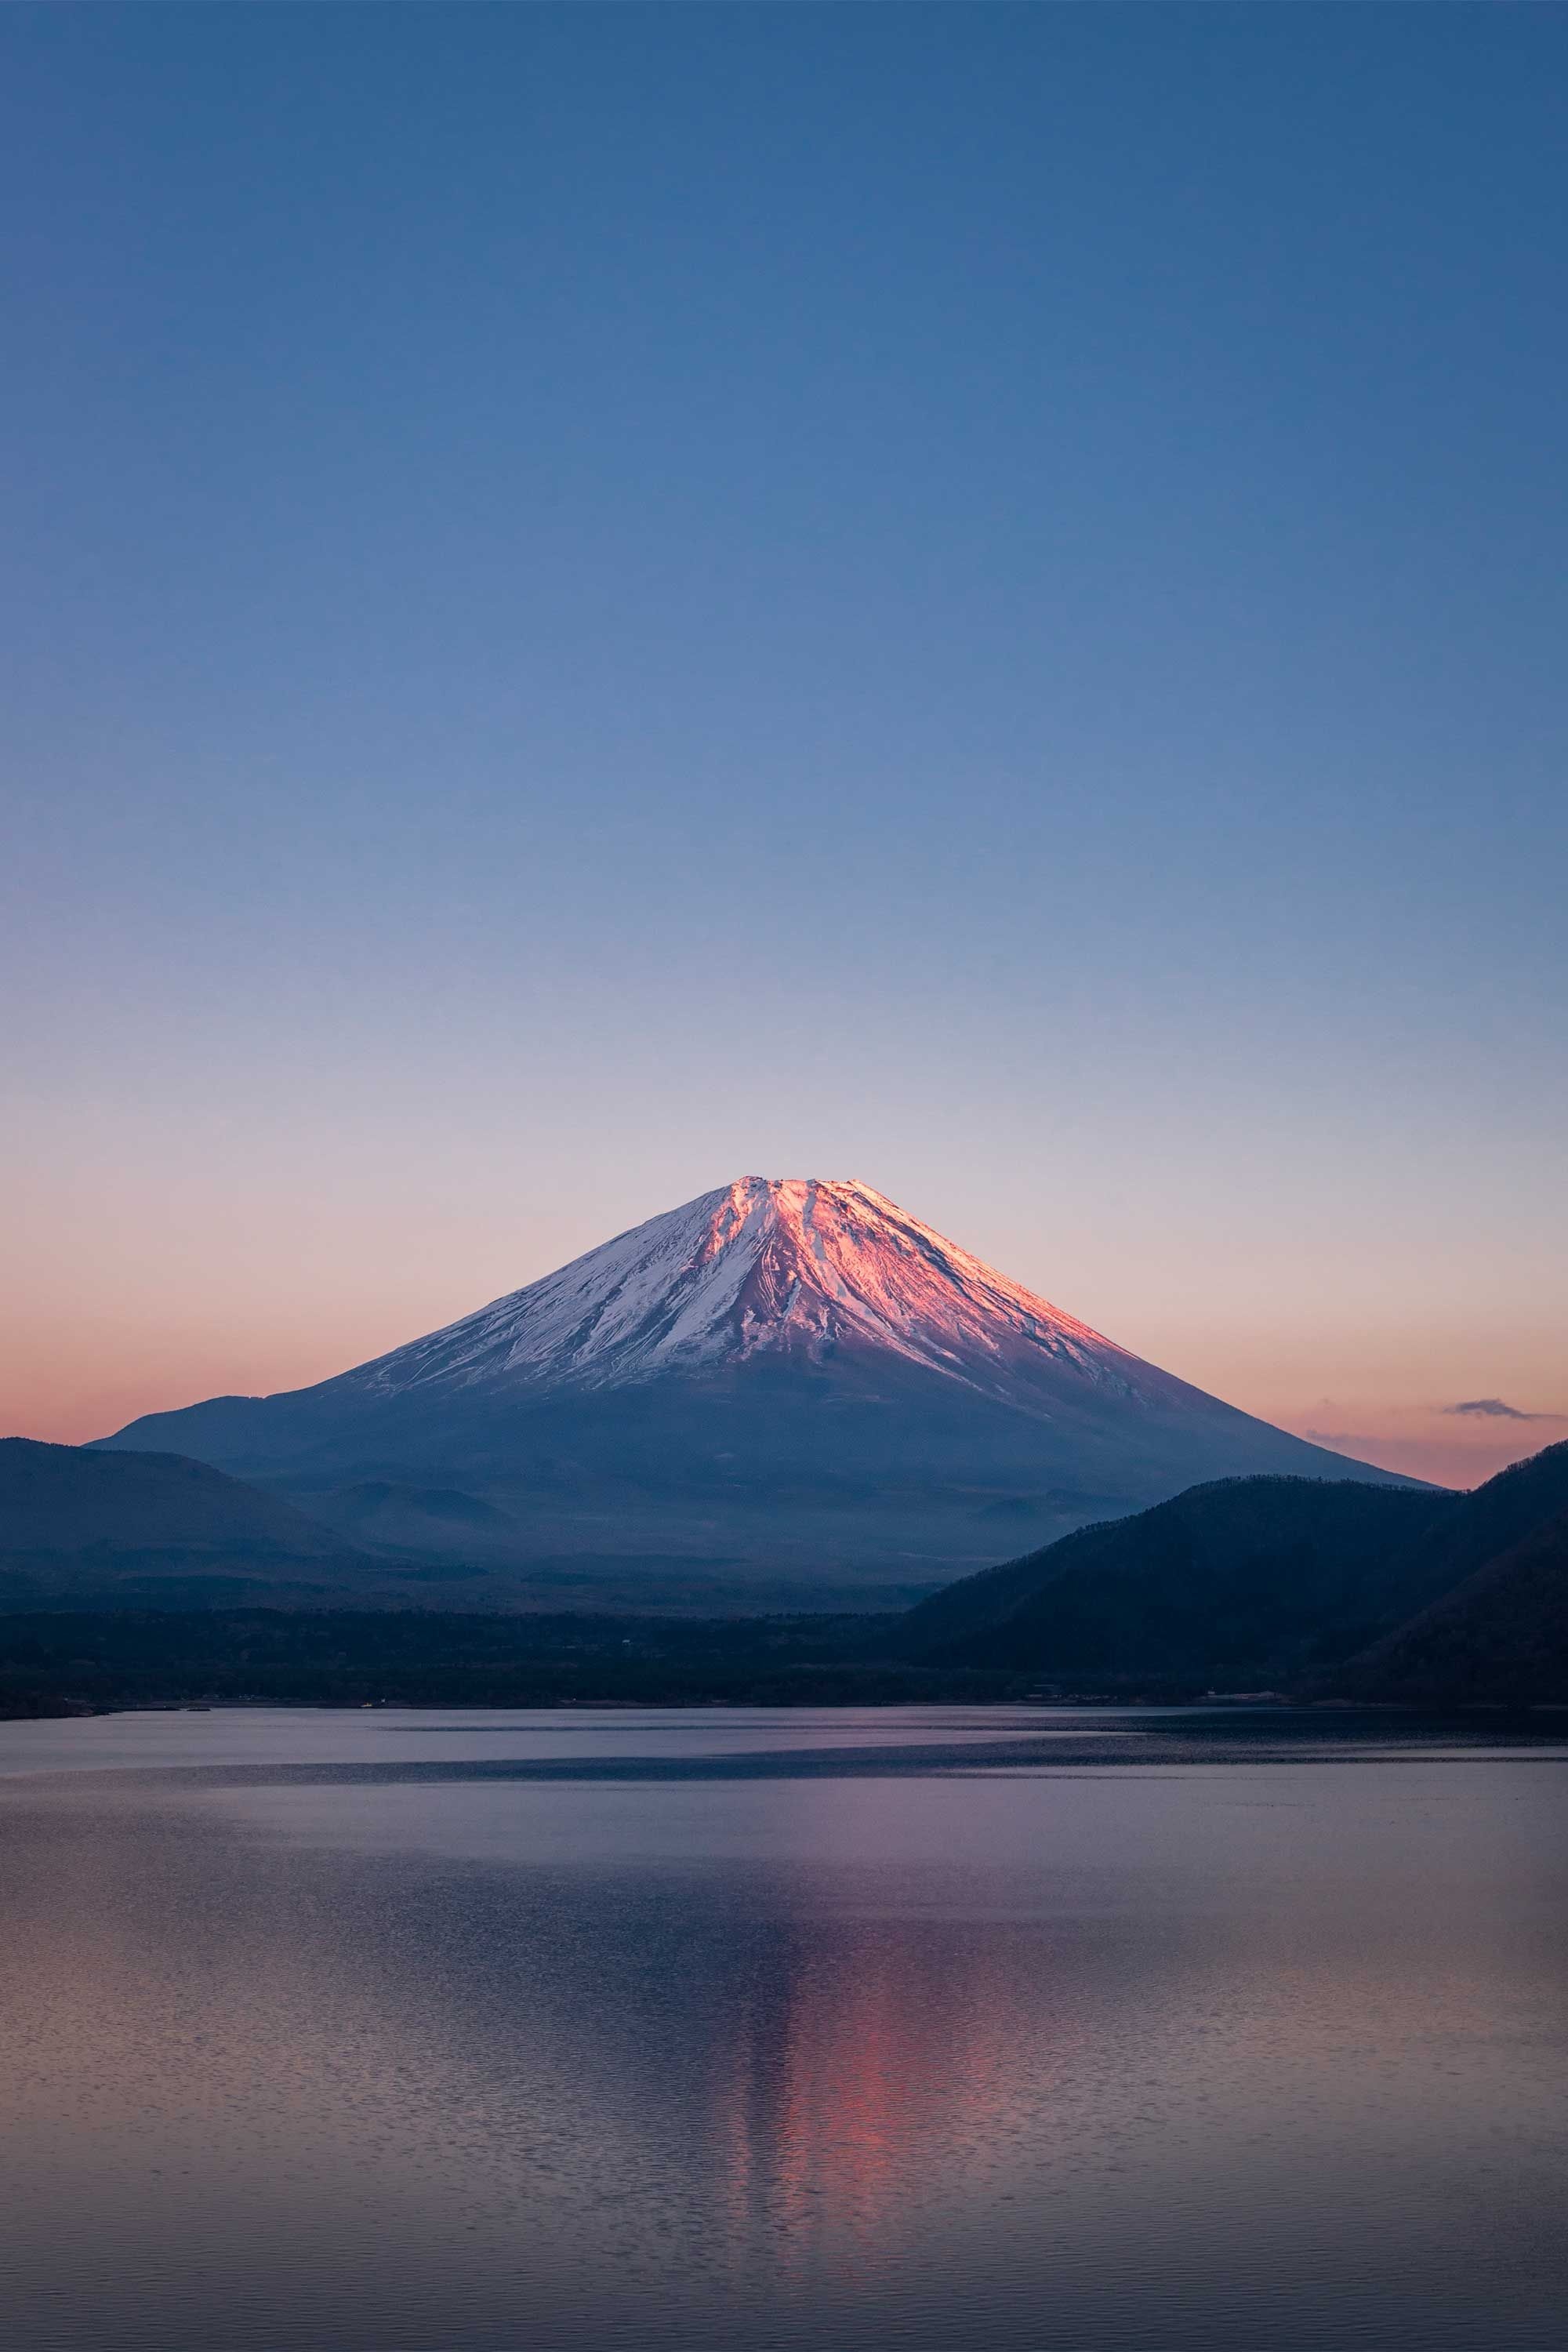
(791, 1265)
(788, 1376)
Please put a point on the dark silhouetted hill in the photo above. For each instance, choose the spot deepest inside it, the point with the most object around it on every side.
(76, 1522)
(1242, 1582)
(1498, 1633)
(1488, 1520)
(1501, 1639)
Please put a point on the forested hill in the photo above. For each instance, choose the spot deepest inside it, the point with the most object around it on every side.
(1249, 1580)
(1500, 1638)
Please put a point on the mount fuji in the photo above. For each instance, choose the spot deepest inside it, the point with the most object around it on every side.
(789, 1383)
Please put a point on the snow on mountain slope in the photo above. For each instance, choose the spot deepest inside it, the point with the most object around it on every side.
(789, 1376)
(765, 1263)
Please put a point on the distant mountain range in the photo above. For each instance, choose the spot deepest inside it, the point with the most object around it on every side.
(1321, 1588)
(80, 1523)
(786, 1385)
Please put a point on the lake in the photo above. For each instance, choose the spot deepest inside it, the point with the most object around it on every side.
(930, 2029)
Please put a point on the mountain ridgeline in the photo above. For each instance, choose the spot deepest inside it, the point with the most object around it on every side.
(786, 1385)
(1325, 1588)
(1496, 1632)
(1241, 1580)
(80, 1525)
(1337, 1588)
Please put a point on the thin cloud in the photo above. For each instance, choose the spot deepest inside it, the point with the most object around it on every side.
(1494, 1409)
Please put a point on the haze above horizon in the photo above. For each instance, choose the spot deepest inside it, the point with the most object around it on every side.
(600, 597)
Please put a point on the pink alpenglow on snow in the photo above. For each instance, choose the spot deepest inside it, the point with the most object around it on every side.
(788, 1376)
(787, 1263)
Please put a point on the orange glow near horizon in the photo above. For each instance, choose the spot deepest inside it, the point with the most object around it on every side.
(130, 1305)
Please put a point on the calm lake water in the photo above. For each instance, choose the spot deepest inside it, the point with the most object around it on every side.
(921, 2029)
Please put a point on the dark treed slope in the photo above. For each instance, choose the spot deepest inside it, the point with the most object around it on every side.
(1498, 1631)
(1501, 1639)
(1245, 1581)
(1488, 1520)
(76, 1522)
(53, 1663)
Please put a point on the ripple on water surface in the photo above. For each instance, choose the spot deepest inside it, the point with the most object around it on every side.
(396, 2033)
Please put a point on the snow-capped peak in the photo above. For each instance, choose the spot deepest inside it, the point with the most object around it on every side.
(791, 1265)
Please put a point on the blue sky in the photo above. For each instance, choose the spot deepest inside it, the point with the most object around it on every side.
(598, 599)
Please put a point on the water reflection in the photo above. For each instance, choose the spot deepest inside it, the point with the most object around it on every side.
(856, 2068)
(1195, 2058)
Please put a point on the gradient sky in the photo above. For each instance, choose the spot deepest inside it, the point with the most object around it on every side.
(601, 599)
